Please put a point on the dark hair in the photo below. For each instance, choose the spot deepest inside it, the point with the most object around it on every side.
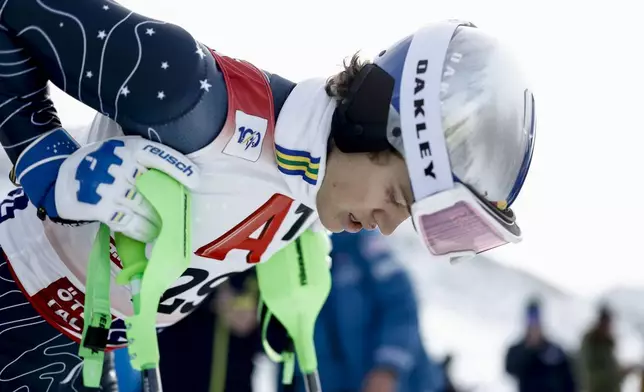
(337, 87)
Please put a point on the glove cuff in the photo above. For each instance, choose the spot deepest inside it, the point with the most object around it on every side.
(37, 167)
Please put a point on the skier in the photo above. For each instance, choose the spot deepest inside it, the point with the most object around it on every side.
(440, 126)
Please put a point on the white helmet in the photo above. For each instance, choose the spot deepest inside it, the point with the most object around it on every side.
(452, 100)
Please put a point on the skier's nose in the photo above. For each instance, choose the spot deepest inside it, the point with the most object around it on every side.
(390, 218)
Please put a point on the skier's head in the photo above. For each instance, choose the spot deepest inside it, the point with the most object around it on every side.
(439, 126)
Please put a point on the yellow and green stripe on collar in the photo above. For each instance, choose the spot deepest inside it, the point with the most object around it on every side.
(297, 163)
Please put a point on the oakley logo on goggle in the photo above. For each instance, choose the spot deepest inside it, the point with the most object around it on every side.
(419, 110)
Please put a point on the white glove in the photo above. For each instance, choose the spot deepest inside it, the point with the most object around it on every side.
(97, 181)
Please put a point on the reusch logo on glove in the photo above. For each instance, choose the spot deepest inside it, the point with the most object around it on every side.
(166, 156)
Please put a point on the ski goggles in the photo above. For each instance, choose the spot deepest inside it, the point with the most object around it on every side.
(453, 220)
(459, 224)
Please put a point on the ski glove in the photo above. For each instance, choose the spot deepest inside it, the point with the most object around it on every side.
(96, 182)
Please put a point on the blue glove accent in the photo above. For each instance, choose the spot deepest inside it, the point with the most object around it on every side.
(38, 166)
(93, 171)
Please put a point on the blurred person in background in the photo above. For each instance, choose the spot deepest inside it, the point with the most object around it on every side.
(367, 336)
(535, 362)
(599, 369)
(221, 338)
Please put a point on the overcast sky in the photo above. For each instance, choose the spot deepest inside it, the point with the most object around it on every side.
(581, 206)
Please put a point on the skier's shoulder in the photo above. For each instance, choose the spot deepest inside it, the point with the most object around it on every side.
(248, 81)
(233, 91)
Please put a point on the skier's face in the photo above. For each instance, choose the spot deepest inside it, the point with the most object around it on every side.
(364, 191)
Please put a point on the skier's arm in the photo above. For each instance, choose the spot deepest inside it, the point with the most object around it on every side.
(152, 77)
(26, 111)
(398, 331)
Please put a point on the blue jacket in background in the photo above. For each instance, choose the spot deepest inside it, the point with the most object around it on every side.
(129, 380)
(370, 320)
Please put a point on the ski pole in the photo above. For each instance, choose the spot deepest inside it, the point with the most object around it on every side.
(148, 278)
(96, 307)
(312, 382)
(294, 284)
(132, 254)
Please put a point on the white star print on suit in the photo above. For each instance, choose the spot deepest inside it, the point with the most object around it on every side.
(199, 51)
(205, 85)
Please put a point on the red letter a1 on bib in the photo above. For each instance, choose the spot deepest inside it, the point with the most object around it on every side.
(269, 216)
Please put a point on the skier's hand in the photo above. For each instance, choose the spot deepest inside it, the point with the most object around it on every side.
(96, 183)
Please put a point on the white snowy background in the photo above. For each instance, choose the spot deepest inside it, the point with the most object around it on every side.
(475, 310)
(581, 206)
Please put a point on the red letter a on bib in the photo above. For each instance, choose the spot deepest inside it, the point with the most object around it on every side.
(270, 216)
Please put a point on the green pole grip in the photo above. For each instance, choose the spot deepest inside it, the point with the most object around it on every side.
(150, 278)
(294, 285)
